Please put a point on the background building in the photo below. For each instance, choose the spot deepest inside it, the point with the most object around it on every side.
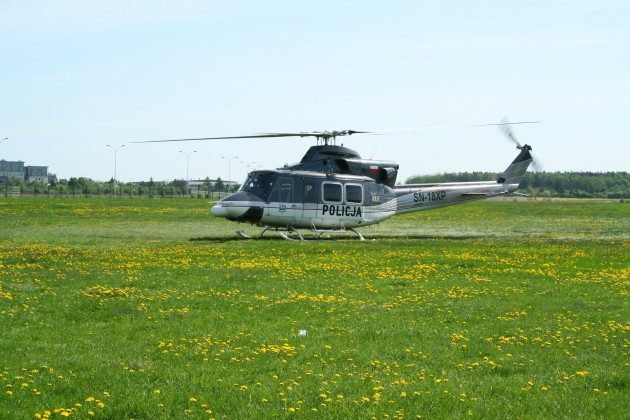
(10, 170)
(36, 174)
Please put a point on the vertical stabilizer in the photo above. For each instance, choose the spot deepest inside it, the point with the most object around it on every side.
(516, 171)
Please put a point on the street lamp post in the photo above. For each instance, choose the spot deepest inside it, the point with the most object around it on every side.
(229, 170)
(187, 177)
(115, 149)
(6, 181)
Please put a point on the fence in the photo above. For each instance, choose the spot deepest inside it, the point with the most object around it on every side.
(126, 191)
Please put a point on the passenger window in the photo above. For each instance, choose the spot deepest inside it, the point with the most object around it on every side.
(354, 194)
(332, 192)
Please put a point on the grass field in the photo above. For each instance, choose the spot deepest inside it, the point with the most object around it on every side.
(150, 309)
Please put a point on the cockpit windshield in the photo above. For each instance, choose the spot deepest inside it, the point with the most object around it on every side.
(259, 183)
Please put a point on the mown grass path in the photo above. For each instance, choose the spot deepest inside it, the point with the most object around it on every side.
(149, 308)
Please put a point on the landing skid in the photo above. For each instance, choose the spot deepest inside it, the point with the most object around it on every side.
(294, 234)
(337, 232)
(243, 235)
(341, 231)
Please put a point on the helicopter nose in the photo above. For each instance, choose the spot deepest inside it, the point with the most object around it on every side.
(239, 207)
(229, 210)
(219, 211)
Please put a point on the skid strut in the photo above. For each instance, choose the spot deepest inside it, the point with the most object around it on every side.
(291, 230)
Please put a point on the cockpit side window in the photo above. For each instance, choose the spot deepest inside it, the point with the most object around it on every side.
(282, 191)
(260, 183)
(286, 191)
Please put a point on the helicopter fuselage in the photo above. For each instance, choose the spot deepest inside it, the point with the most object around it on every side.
(305, 199)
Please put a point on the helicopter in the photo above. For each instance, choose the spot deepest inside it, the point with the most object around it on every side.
(332, 190)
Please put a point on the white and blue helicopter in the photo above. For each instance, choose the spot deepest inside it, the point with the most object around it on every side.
(333, 190)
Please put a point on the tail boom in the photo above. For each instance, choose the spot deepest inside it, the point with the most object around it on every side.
(410, 198)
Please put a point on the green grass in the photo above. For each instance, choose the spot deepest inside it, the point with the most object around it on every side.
(149, 308)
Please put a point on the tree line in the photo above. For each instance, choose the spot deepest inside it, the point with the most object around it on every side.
(77, 186)
(556, 184)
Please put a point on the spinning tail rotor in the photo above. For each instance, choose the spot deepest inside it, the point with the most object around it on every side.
(507, 130)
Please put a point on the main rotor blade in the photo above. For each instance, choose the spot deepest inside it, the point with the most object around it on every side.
(320, 134)
(332, 134)
(252, 136)
(431, 127)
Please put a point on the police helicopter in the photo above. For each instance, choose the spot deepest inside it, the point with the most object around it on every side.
(333, 190)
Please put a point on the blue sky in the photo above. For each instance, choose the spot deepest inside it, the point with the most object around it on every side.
(77, 75)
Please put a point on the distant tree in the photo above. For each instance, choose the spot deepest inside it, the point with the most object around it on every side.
(218, 185)
(179, 183)
(15, 182)
(73, 183)
(52, 180)
(557, 184)
(84, 183)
